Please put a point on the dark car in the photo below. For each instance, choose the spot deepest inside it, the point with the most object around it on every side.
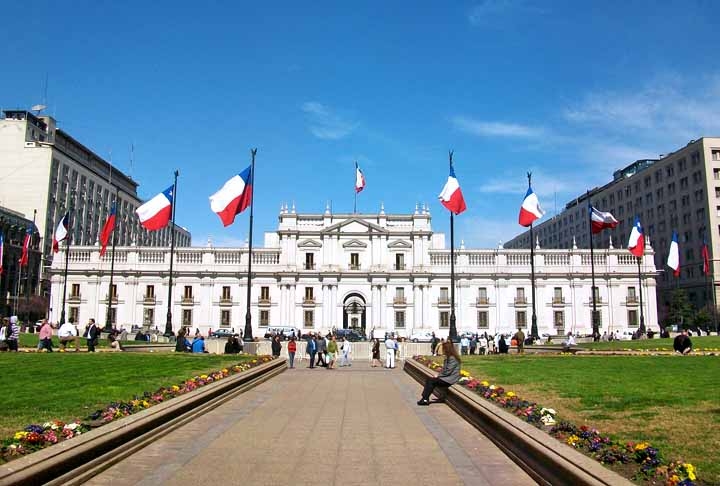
(352, 335)
(221, 333)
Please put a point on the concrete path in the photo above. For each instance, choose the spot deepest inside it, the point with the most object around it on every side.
(349, 426)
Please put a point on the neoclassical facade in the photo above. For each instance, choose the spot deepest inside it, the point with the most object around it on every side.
(369, 271)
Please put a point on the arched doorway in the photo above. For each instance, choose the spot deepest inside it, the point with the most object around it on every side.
(354, 312)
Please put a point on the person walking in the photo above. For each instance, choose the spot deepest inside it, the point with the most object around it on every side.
(292, 348)
(390, 346)
(464, 345)
(12, 334)
(449, 374)
(45, 336)
(376, 353)
(311, 349)
(276, 346)
(346, 350)
(332, 349)
(520, 340)
(322, 350)
(434, 344)
(92, 333)
(473, 344)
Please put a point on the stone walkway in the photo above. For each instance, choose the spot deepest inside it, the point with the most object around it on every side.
(349, 426)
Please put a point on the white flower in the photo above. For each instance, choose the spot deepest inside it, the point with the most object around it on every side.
(547, 420)
(72, 426)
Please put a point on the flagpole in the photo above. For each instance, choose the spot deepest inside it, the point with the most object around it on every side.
(453, 326)
(108, 324)
(27, 277)
(16, 303)
(534, 329)
(711, 279)
(68, 237)
(355, 202)
(595, 323)
(168, 323)
(642, 310)
(247, 334)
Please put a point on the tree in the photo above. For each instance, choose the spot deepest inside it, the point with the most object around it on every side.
(680, 311)
(702, 319)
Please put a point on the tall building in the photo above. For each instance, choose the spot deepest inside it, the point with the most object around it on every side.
(43, 168)
(16, 282)
(678, 192)
(387, 272)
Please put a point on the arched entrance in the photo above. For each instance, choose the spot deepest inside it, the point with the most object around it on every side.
(354, 312)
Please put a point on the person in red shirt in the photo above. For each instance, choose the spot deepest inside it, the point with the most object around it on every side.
(292, 347)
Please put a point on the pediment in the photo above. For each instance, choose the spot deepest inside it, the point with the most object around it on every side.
(309, 244)
(399, 244)
(355, 226)
(355, 244)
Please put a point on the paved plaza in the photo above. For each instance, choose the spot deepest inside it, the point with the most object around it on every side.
(348, 426)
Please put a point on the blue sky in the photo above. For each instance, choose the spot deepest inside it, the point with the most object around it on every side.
(568, 90)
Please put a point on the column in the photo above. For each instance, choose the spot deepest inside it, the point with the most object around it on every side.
(291, 306)
(417, 308)
(374, 306)
(333, 309)
(283, 310)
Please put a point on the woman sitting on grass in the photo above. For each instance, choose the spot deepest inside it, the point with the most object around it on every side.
(449, 374)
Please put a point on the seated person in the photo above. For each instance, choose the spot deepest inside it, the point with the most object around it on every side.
(114, 341)
(449, 374)
(198, 345)
(232, 346)
(682, 343)
(68, 333)
(569, 342)
(182, 345)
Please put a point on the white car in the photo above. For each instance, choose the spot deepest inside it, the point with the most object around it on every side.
(421, 337)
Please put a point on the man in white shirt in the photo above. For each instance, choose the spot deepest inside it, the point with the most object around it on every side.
(346, 350)
(464, 343)
(67, 333)
(390, 352)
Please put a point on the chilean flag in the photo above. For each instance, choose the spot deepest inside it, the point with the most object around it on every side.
(2, 251)
(600, 220)
(234, 197)
(674, 255)
(26, 247)
(60, 233)
(451, 196)
(636, 244)
(359, 179)
(705, 257)
(107, 230)
(156, 213)
(530, 209)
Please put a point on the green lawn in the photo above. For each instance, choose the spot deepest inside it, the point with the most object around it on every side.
(37, 387)
(671, 401)
(30, 341)
(699, 343)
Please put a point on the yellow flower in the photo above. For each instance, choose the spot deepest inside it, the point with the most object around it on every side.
(642, 446)
(510, 394)
(145, 404)
(484, 383)
(20, 435)
(175, 388)
(690, 471)
(572, 440)
(464, 373)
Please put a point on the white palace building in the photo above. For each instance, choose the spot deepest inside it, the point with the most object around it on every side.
(368, 271)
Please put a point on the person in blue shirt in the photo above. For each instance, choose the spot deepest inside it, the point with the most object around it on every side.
(198, 345)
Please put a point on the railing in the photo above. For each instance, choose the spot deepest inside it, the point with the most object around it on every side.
(120, 256)
(149, 300)
(556, 260)
(625, 259)
(228, 257)
(309, 300)
(309, 266)
(264, 301)
(73, 298)
(114, 299)
(482, 301)
(226, 301)
(151, 257)
(188, 257)
(353, 267)
(399, 300)
(481, 259)
(79, 256)
(520, 300)
(599, 260)
(399, 267)
(187, 300)
(443, 301)
(598, 300)
(518, 259)
(266, 258)
(630, 300)
(558, 300)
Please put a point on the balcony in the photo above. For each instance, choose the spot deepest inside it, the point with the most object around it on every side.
(558, 301)
(397, 300)
(308, 301)
(520, 300)
(309, 266)
(443, 301)
(598, 300)
(74, 299)
(631, 300)
(399, 266)
(187, 300)
(149, 300)
(354, 266)
(226, 300)
(114, 299)
(264, 301)
(482, 301)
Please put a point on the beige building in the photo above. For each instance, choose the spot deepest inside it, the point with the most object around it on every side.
(680, 192)
(41, 167)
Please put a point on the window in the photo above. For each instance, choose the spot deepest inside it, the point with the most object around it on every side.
(682, 165)
(225, 318)
(684, 183)
(354, 261)
(75, 291)
(265, 318)
(148, 316)
(113, 315)
(520, 296)
(150, 292)
(482, 295)
(716, 174)
(559, 320)
(309, 261)
(482, 319)
(399, 295)
(265, 293)
(226, 292)
(309, 296)
(187, 293)
(399, 318)
(596, 292)
(716, 155)
(113, 291)
(632, 318)
(187, 319)
(443, 296)
(520, 319)
(399, 261)
(74, 314)
(444, 319)
(308, 318)
(557, 295)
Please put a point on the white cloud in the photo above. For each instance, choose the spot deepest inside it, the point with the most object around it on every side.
(326, 124)
(495, 129)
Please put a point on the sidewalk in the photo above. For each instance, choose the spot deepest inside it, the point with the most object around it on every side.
(348, 426)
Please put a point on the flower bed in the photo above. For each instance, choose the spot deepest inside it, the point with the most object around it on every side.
(35, 437)
(650, 466)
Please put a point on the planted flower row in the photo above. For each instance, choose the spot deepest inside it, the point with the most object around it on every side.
(652, 467)
(35, 437)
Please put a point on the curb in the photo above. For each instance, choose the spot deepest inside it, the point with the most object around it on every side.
(546, 460)
(84, 456)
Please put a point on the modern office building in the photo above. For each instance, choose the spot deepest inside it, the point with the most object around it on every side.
(368, 271)
(678, 192)
(43, 169)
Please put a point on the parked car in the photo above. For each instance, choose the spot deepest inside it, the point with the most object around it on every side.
(421, 337)
(350, 334)
(285, 332)
(221, 333)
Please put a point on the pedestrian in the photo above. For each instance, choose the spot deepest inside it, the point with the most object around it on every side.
(332, 349)
(503, 347)
(682, 343)
(390, 352)
(12, 334)
(4, 328)
(322, 350)
(433, 344)
(449, 374)
(376, 353)
(520, 340)
(464, 345)
(346, 350)
(438, 347)
(473, 344)
(276, 346)
(45, 336)
(483, 344)
(292, 348)
(92, 333)
(311, 349)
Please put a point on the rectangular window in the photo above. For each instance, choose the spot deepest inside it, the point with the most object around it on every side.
(148, 316)
(631, 295)
(354, 261)
(399, 261)
(265, 293)
(308, 319)
(399, 292)
(309, 295)
(309, 261)
(559, 320)
(482, 320)
(226, 292)
(632, 318)
(557, 295)
(444, 319)
(74, 314)
(187, 319)
(187, 292)
(444, 299)
(75, 291)
(520, 319)
(482, 295)
(399, 319)
(113, 316)
(716, 174)
(225, 318)
(113, 291)
(716, 155)
(150, 292)
(264, 318)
